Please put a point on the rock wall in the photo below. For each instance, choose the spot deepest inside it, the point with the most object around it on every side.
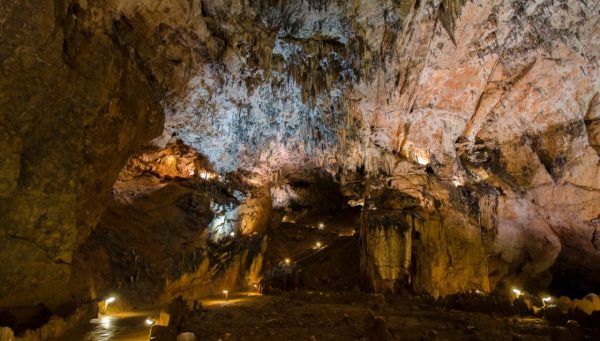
(406, 248)
(75, 102)
(477, 114)
(485, 112)
(174, 227)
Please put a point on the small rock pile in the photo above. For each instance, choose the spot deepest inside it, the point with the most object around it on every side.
(172, 322)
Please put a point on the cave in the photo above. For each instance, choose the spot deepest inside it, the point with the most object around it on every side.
(299, 170)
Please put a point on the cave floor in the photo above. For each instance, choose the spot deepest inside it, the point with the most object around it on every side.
(305, 315)
(127, 326)
(355, 316)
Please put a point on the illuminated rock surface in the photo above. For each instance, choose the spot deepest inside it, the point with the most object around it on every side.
(168, 232)
(468, 131)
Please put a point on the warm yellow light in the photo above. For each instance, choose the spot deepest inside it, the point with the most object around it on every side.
(321, 226)
(208, 175)
(318, 245)
(547, 299)
(226, 293)
(287, 261)
(232, 234)
(517, 292)
(105, 321)
(422, 157)
(108, 301)
(149, 321)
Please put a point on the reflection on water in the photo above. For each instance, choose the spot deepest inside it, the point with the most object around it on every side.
(121, 327)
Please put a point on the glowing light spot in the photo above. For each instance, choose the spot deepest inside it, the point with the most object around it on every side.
(321, 226)
(354, 203)
(105, 321)
(547, 299)
(288, 219)
(517, 292)
(149, 322)
(318, 245)
(108, 301)
(287, 261)
(226, 293)
(346, 233)
(232, 234)
(422, 157)
(209, 175)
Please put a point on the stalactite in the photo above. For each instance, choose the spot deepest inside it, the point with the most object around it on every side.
(449, 13)
(488, 213)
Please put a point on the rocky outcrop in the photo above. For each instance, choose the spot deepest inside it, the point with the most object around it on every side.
(173, 227)
(75, 103)
(45, 328)
(407, 249)
(494, 103)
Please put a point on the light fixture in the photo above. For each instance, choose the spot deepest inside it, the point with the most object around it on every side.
(108, 301)
(149, 321)
(517, 292)
(318, 245)
(226, 293)
(287, 261)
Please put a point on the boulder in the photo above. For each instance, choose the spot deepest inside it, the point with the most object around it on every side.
(187, 336)
(161, 333)
(6, 334)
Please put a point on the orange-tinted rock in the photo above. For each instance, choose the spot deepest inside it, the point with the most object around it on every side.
(486, 113)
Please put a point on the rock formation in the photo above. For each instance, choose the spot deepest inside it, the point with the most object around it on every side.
(173, 227)
(459, 105)
(75, 104)
(467, 130)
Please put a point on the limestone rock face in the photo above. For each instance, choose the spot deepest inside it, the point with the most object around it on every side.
(484, 114)
(484, 111)
(74, 104)
(406, 248)
(174, 227)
